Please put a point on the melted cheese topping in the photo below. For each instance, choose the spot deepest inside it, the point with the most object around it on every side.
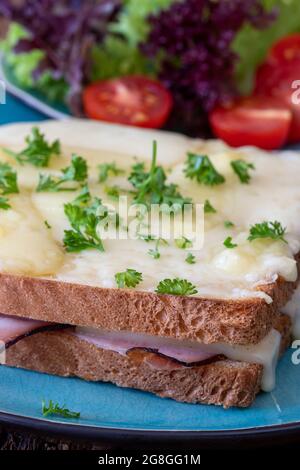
(28, 247)
(292, 308)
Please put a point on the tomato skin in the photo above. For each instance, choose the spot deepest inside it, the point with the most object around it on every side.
(285, 50)
(277, 81)
(262, 122)
(132, 100)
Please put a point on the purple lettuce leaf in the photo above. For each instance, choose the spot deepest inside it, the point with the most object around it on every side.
(66, 31)
(193, 40)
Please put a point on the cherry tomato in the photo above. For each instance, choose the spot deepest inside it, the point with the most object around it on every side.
(282, 81)
(285, 50)
(132, 100)
(259, 121)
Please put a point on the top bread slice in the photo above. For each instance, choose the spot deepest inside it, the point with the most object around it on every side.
(236, 321)
(244, 320)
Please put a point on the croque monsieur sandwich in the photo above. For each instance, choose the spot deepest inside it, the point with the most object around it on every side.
(204, 325)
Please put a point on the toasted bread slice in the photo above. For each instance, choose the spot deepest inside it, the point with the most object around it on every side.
(236, 321)
(224, 382)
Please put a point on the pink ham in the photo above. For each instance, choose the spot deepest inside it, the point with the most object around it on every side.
(13, 329)
(124, 342)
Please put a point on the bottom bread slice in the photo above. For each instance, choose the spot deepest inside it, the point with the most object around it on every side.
(224, 382)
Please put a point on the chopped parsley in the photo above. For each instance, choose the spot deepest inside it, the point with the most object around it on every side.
(242, 170)
(190, 259)
(47, 224)
(84, 220)
(84, 196)
(200, 168)
(108, 169)
(228, 243)
(155, 253)
(76, 172)
(228, 224)
(54, 409)
(208, 208)
(273, 230)
(128, 278)
(8, 180)
(151, 188)
(176, 287)
(4, 203)
(183, 243)
(113, 192)
(38, 150)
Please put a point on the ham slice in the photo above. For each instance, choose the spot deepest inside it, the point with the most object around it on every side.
(13, 329)
(143, 347)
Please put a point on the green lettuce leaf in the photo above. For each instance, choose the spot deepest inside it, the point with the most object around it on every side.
(120, 54)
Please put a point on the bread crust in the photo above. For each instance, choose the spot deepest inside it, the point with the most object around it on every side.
(233, 321)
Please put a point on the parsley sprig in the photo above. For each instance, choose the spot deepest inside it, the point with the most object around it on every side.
(176, 287)
(242, 170)
(55, 409)
(273, 230)
(8, 184)
(190, 259)
(108, 169)
(84, 219)
(229, 244)
(38, 151)
(76, 172)
(200, 168)
(151, 187)
(228, 224)
(128, 278)
(183, 243)
(154, 252)
(208, 208)
(4, 204)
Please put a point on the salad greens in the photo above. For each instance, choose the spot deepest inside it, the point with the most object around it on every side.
(199, 49)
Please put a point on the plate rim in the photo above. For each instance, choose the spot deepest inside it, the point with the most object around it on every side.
(152, 436)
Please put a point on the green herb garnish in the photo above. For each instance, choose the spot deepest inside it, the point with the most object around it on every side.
(108, 169)
(228, 224)
(190, 259)
(228, 243)
(38, 150)
(47, 224)
(4, 203)
(113, 192)
(84, 221)
(76, 172)
(183, 243)
(176, 287)
(54, 409)
(241, 168)
(151, 188)
(155, 253)
(84, 196)
(200, 167)
(273, 230)
(128, 278)
(8, 180)
(208, 208)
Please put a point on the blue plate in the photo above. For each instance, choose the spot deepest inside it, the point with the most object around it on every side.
(107, 410)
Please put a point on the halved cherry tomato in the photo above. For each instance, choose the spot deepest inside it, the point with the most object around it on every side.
(263, 122)
(132, 100)
(277, 81)
(285, 50)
